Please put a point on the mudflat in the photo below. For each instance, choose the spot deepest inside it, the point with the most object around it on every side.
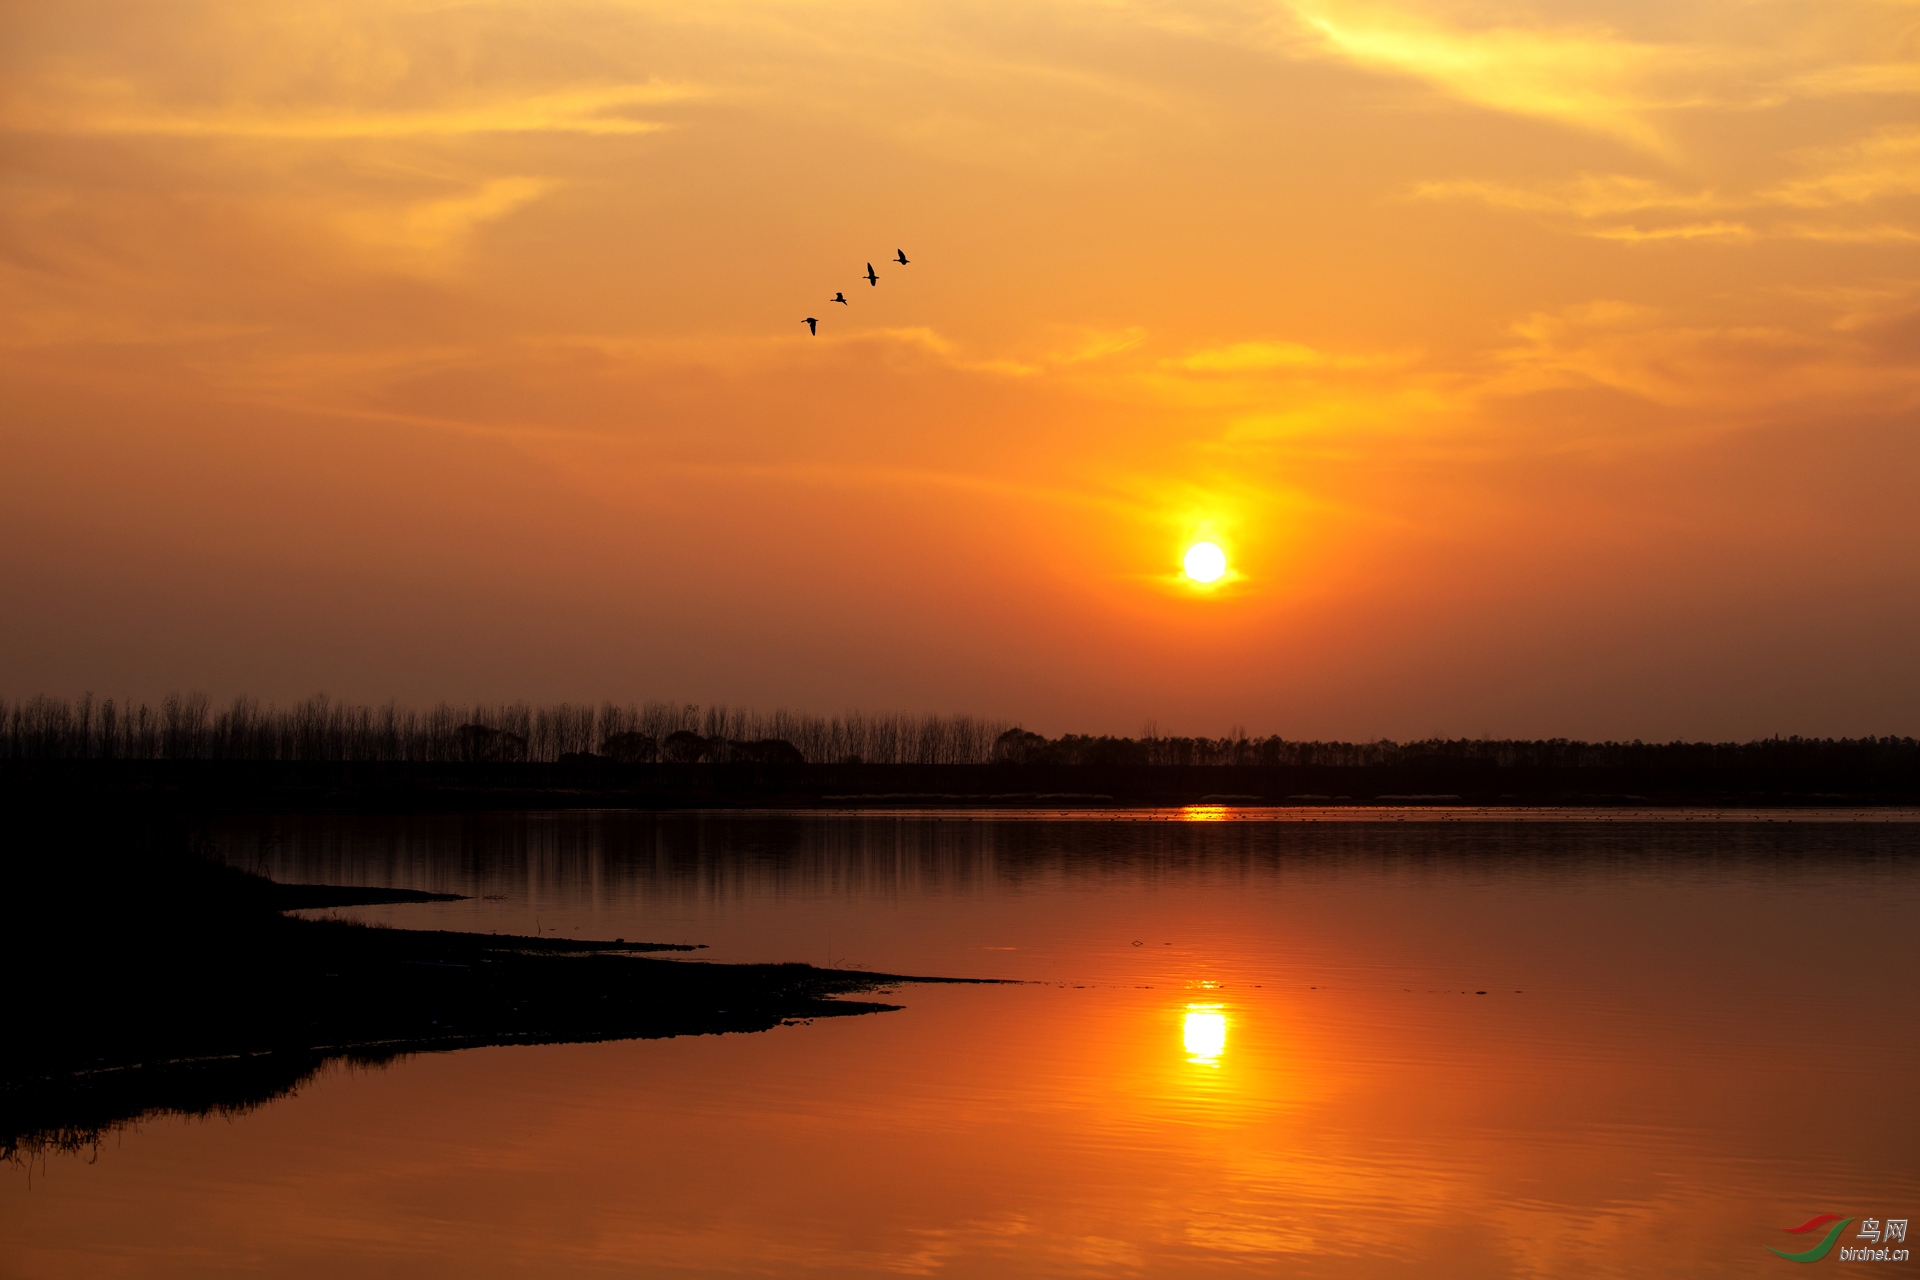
(154, 979)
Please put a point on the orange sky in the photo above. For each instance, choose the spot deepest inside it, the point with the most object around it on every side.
(1545, 368)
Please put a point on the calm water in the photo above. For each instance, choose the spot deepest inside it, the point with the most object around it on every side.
(1248, 1046)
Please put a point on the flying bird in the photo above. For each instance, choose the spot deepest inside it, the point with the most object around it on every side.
(840, 298)
(900, 256)
(813, 325)
(872, 278)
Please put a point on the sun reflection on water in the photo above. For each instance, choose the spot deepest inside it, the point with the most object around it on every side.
(1204, 1033)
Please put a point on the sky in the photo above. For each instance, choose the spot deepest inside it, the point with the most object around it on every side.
(1543, 368)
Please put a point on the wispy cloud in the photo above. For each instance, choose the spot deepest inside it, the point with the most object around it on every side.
(1900, 78)
(1885, 164)
(1274, 355)
(1640, 83)
(116, 110)
(1589, 77)
(1642, 352)
(1837, 184)
(431, 233)
(1588, 195)
(1884, 233)
(1720, 232)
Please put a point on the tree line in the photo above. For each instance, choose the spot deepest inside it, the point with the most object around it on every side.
(1018, 746)
(189, 727)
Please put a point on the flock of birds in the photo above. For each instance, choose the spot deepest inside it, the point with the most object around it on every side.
(872, 279)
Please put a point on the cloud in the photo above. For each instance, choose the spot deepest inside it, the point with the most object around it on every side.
(1884, 164)
(432, 232)
(1588, 77)
(114, 110)
(1723, 232)
(1839, 352)
(1900, 78)
(1739, 368)
(1095, 346)
(1643, 83)
(1886, 305)
(1840, 182)
(1880, 234)
(1273, 355)
(1268, 392)
(1589, 195)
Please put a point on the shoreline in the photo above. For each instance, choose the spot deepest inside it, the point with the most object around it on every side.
(154, 980)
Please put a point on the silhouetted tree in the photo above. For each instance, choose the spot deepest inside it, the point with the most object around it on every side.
(1018, 746)
(631, 748)
(683, 746)
(764, 751)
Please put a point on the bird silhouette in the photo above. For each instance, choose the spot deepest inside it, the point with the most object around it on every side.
(813, 325)
(900, 256)
(872, 278)
(840, 298)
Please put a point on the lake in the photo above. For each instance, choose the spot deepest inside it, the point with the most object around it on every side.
(1446, 1043)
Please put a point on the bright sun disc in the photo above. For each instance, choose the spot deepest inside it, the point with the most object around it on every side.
(1205, 562)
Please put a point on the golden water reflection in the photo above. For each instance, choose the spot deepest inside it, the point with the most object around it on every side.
(1204, 1033)
(1601, 1114)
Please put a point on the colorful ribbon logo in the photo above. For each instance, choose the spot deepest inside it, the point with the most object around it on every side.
(1820, 1250)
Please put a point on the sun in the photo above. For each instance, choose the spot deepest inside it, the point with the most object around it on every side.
(1205, 562)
